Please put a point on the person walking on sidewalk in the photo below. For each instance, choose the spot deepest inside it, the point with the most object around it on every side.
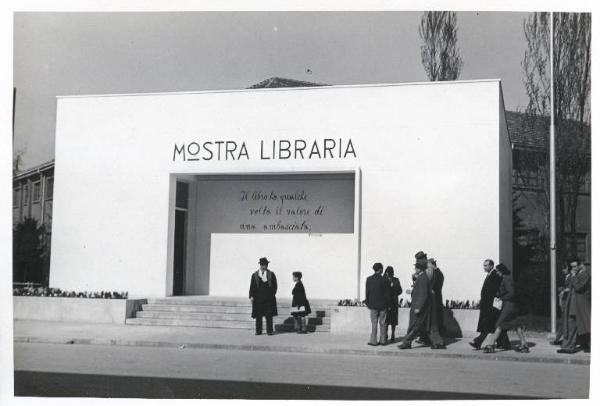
(376, 299)
(488, 314)
(263, 288)
(394, 290)
(509, 314)
(300, 305)
(420, 297)
(436, 308)
(578, 309)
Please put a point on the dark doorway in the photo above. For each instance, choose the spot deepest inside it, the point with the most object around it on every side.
(179, 257)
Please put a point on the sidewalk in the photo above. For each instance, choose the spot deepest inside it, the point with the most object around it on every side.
(30, 331)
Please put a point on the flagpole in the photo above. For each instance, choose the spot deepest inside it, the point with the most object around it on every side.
(553, 291)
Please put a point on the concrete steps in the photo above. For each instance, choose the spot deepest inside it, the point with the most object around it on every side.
(211, 312)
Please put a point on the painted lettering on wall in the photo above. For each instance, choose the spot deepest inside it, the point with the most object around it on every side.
(271, 211)
(326, 148)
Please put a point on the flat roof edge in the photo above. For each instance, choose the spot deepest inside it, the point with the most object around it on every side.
(280, 89)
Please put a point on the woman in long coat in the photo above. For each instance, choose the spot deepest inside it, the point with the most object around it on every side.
(435, 321)
(509, 314)
(299, 300)
(394, 290)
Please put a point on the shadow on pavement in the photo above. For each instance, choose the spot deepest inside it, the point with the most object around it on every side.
(50, 384)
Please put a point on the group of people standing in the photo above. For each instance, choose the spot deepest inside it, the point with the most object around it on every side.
(263, 288)
(575, 299)
(499, 306)
(426, 310)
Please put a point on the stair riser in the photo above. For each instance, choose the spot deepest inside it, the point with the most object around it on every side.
(205, 324)
(219, 309)
(225, 302)
(220, 317)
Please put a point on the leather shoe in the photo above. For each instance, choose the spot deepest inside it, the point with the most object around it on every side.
(257, 334)
(475, 345)
(270, 334)
(405, 346)
(566, 351)
(374, 345)
(438, 347)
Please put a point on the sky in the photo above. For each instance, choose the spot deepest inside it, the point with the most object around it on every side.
(99, 53)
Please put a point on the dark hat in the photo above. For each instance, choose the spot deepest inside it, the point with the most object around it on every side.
(389, 271)
(263, 261)
(420, 255)
(503, 269)
(297, 275)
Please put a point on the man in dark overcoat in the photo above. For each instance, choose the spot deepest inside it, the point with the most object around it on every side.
(420, 297)
(263, 287)
(377, 300)
(488, 314)
(577, 309)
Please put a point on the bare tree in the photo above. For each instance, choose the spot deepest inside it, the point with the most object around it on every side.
(439, 53)
(572, 82)
(17, 161)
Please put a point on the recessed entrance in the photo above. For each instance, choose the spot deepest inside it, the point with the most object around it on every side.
(301, 222)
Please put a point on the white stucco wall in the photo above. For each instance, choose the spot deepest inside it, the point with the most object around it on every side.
(428, 156)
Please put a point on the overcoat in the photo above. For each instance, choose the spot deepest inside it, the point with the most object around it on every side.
(420, 299)
(508, 318)
(394, 290)
(488, 314)
(299, 298)
(376, 295)
(264, 303)
(436, 304)
(579, 296)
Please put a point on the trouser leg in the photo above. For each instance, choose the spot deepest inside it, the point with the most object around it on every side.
(382, 327)
(503, 340)
(490, 339)
(259, 324)
(303, 324)
(269, 324)
(373, 314)
(412, 333)
(570, 336)
(297, 323)
(479, 339)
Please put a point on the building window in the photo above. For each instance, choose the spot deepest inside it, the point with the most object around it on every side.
(25, 195)
(16, 196)
(37, 191)
(528, 170)
(586, 186)
(578, 244)
(49, 188)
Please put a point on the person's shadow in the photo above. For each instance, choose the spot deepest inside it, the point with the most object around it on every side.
(452, 329)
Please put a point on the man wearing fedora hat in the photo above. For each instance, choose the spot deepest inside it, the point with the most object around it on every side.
(263, 287)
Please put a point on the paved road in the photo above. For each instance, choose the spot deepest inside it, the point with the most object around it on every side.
(113, 371)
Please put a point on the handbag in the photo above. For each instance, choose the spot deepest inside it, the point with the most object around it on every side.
(298, 309)
(497, 303)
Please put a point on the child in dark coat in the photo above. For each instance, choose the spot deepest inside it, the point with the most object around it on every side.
(300, 305)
